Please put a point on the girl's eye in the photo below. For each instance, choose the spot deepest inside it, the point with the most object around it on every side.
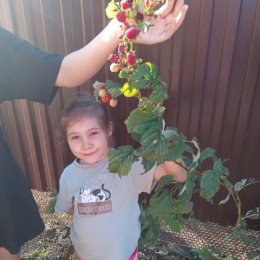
(74, 137)
(94, 133)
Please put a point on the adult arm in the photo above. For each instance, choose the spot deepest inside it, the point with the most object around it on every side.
(170, 168)
(79, 66)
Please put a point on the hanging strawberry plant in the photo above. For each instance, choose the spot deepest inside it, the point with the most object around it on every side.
(170, 200)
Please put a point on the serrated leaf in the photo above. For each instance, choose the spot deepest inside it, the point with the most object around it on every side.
(176, 145)
(174, 223)
(218, 167)
(182, 206)
(145, 76)
(150, 228)
(189, 187)
(210, 184)
(111, 9)
(206, 153)
(121, 160)
(113, 88)
(139, 84)
(160, 204)
(123, 74)
(154, 147)
(148, 165)
(139, 121)
(165, 180)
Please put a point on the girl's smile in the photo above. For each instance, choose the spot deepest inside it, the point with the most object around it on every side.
(87, 140)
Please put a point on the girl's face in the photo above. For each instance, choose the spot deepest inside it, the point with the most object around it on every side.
(87, 140)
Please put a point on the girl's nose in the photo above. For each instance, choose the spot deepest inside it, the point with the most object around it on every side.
(86, 143)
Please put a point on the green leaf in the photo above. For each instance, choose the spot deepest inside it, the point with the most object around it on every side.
(139, 84)
(165, 180)
(123, 74)
(150, 228)
(139, 121)
(174, 223)
(113, 88)
(153, 143)
(210, 184)
(206, 153)
(189, 187)
(160, 204)
(176, 145)
(182, 206)
(112, 9)
(146, 76)
(228, 184)
(121, 159)
(218, 167)
(148, 165)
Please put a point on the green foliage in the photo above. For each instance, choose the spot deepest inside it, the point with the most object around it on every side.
(113, 88)
(121, 160)
(50, 207)
(112, 9)
(208, 253)
(170, 201)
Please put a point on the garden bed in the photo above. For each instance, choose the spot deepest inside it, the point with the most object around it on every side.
(55, 244)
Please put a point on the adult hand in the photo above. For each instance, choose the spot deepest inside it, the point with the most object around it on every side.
(169, 18)
(178, 172)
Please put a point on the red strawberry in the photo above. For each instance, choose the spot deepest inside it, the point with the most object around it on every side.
(131, 59)
(131, 33)
(121, 48)
(112, 58)
(103, 87)
(126, 4)
(106, 98)
(121, 16)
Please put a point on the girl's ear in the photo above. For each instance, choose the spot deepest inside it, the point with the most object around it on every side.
(110, 128)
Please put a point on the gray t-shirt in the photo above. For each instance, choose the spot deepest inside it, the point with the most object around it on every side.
(106, 210)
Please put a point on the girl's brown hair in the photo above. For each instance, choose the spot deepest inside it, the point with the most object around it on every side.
(81, 106)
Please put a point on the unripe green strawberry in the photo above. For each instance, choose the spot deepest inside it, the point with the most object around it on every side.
(114, 67)
(113, 102)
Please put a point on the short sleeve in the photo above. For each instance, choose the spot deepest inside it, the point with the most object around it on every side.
(26, 72)
(64, 201)
(143, 181)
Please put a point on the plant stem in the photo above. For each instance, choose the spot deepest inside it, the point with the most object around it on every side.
(239, 206)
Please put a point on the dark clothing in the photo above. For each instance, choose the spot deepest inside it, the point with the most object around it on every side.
(25, 72)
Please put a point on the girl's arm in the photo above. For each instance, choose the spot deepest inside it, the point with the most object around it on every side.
(170, 168)
(79, 66)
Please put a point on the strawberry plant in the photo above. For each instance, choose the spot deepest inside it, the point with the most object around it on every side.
(170, 200)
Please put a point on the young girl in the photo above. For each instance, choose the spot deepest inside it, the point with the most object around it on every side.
(105, 205)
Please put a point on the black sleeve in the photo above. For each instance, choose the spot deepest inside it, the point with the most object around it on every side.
(26, 72)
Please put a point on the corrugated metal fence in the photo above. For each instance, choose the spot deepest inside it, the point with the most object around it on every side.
(211, 67)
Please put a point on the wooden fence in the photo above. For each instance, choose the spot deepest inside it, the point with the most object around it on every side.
(211, 67)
